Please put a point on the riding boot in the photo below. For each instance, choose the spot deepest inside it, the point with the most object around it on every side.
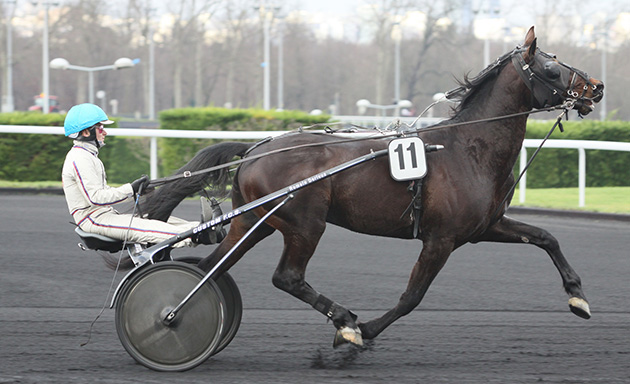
(206, 209)
(216, 213)
(210, 209)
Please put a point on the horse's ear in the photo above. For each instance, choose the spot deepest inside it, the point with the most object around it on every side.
(529, 37)
(530, 43)
(531, 51)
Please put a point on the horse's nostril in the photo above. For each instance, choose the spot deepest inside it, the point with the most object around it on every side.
(599, 88)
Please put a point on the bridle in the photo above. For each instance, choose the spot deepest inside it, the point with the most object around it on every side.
(547, 79)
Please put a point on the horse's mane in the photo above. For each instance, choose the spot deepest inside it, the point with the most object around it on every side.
(469, 87)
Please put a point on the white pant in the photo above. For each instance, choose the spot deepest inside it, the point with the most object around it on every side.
(116, 225)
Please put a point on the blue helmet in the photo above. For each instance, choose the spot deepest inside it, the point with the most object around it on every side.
(83, 116)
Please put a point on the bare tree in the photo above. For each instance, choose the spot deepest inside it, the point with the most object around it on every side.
(235, 25)
(434, 32)
(207, 52)
(185, 32)
(382, 16)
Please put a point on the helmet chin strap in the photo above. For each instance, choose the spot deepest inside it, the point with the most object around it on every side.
(91, 138)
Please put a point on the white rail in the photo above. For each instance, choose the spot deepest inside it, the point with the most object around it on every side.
(580, 145)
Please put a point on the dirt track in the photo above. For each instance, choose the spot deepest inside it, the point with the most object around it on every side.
(496, 313)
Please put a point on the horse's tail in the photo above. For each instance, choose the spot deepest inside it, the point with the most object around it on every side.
(160, 203)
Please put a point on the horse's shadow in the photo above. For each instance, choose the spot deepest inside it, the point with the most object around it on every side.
(343, 357)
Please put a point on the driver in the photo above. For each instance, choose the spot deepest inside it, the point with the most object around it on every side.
(89, 197)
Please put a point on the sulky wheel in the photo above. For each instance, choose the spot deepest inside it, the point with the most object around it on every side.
(233, 304)
(149, 296)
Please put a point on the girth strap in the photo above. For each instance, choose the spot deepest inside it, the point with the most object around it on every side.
(415, 187)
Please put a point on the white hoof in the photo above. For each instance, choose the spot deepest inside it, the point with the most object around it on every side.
(580, 307)
(348, 335)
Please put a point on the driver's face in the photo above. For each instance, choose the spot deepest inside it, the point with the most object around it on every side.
(100, 132)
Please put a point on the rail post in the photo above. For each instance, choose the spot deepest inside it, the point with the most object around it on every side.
(581, 176)
(523, 183)
(153, 158)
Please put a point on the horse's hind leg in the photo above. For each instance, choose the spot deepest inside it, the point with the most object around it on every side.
(508, 230)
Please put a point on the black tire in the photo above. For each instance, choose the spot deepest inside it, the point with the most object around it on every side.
(149, 296)
(233, 304)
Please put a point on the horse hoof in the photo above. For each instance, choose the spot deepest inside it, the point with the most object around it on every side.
(348, 335)
(579, 307)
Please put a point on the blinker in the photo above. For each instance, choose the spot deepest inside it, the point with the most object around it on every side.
(552, 69)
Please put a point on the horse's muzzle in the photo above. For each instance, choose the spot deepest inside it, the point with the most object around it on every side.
(595, 93)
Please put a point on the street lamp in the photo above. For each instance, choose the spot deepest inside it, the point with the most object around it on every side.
(599, 36)
(397, 37)
(8, 105)
(266, 15)
(123, 62)
(487, 26)
(45, 81)
(364, 104)
(280, 40)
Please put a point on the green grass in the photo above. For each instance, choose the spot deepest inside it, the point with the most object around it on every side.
(604, 199)
(30, 184)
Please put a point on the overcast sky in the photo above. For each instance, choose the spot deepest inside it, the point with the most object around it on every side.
(332, 6)
(516, 11)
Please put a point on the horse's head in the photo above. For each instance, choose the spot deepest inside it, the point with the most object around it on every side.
(552, 82)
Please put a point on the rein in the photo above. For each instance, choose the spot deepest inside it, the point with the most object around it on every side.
(188, 174)
(524, 70)
(558, 123)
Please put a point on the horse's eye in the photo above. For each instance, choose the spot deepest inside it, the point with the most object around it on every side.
(552, 69)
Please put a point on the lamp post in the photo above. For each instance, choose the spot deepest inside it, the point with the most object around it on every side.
(604, 64)
(151, 85)
(397, 37)
(266, 67)
(45, 81)
(280, 67)
(266, 15)
(123, 62)
(7, 105)
(151, 73)
(487, 26)
(599, 37)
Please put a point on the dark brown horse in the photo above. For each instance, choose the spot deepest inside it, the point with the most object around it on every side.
(463, 196)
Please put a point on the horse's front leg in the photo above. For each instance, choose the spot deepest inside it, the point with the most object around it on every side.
(432, 258)
(290, 277)
(508, 230)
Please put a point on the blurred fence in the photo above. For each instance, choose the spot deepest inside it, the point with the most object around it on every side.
(580, 145)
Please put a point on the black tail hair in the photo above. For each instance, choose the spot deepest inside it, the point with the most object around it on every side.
(160, 203)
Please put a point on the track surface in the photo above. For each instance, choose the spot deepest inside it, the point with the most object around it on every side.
(495, 314)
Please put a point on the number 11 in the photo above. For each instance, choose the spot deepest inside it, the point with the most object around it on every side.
(401, 158)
